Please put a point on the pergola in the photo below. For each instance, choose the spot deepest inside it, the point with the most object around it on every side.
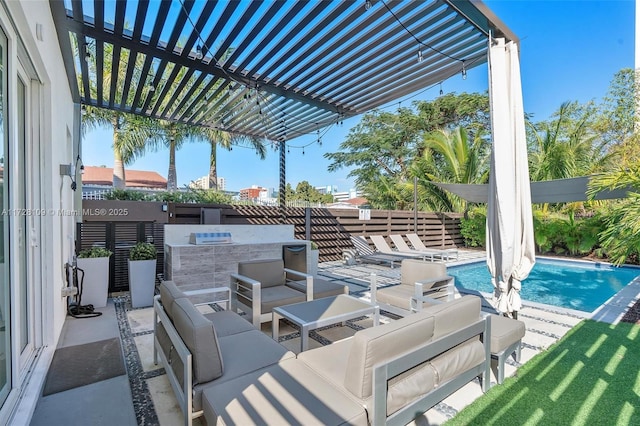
(269, 69)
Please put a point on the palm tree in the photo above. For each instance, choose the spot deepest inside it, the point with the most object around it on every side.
(621, 236)
(98, 117)
(127, 137)
(566, 146)
(153, 134)
(450, 157)
(226, 140)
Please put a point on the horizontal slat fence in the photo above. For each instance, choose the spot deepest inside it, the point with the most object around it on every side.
(329, 228)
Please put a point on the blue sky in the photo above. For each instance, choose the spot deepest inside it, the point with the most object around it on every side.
(570, 50)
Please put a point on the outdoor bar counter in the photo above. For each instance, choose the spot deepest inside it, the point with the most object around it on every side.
(194, 267)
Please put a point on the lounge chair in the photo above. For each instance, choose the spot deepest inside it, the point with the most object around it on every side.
(417, 244)
(363, 253)
(403, 247)
(261, 285)
(422, 284)
(383, 247)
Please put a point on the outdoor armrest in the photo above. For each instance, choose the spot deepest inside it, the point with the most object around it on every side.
(253, 286)
(205, 291)
(254, 290)
(183, 391)
(422, 294)
(307, 277)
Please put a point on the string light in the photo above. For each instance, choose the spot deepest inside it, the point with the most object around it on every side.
(87, 54)
(419, 54)
(198, 52)
(441, 91)
(464, 71)
(367, 4)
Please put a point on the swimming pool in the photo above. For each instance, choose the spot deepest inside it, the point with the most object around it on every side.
(576, 285)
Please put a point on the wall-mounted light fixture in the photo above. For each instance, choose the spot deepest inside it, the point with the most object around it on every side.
(70, 170)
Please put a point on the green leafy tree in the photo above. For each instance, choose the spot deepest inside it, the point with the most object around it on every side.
(566, 146)
(617, 119)
(621, 236)
(467, 110)
(382, 148)
(450, 157)
(305, 192)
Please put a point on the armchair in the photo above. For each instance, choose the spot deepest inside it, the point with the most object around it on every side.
(261, 285)
(422, 284)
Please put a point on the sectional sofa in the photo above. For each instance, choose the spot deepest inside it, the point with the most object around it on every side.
(221, 367)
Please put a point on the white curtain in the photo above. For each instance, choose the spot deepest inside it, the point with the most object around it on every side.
(510, 243)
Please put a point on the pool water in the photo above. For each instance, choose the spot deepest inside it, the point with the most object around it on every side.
(574, 285)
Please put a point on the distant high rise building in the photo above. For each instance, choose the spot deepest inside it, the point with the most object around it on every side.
(253, 193)
(329, 189)
(203, 183)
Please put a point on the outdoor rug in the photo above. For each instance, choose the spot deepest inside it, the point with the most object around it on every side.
(80, 365)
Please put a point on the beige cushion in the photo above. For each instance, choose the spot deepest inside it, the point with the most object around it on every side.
(169, 292)
(199, 336)
(269, 272)
(379, 344)
(227, 323)
(454, 315)
(458, 360)
(330, 362)
(504, 332)
(286, 393)
(397, 295)
(321, 288)
(275, 296)
(244, 353)
(412, 270)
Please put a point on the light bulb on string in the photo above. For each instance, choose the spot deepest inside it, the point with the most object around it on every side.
(441, 91)
(419, 55)
(367, 5)
(198, 52)
(464, 71)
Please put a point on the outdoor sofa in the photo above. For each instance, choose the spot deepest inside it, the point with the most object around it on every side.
(382, 375)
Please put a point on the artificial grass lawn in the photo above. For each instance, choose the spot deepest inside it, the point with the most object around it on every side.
(589, 377)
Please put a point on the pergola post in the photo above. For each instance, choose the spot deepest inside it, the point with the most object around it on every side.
(283, 182)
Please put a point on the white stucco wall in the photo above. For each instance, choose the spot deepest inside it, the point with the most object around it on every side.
(56, 147)
(52, 139)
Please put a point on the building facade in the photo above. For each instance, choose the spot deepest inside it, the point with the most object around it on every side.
(40, 133)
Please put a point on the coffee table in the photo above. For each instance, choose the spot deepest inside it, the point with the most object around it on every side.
(320, 313)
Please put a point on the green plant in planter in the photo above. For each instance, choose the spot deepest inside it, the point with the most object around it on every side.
(143, 251)
(94, 252)
(314, 246)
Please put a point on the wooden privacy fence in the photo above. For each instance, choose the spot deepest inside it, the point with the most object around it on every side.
(329, 228)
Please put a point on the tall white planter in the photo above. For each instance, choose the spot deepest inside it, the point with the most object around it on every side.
(142, 282)
(95, 285)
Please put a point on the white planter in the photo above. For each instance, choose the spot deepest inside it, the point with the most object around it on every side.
(95, 285)
(142, 282)
(312, 264)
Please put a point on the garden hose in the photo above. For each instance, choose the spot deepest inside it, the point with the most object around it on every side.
(76, 309)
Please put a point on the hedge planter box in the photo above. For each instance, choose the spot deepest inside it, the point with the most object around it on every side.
(142, 282)
(95, 284)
